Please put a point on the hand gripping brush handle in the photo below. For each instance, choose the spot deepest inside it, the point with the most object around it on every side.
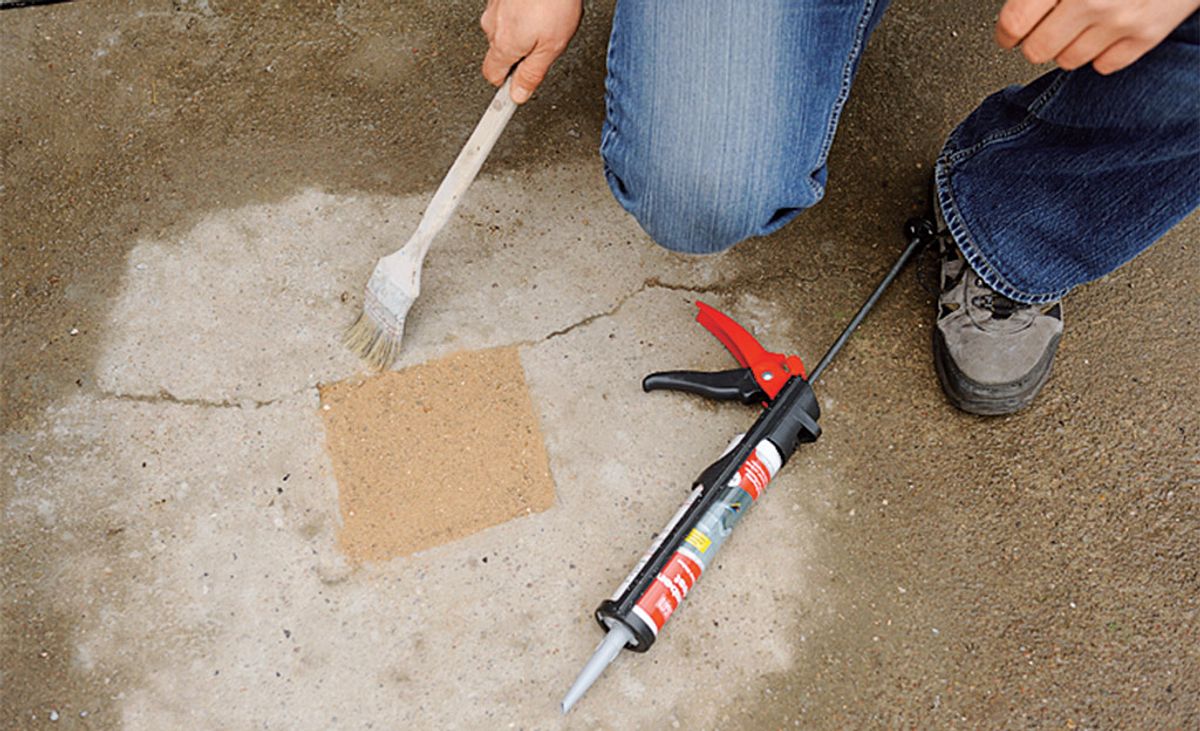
(633, 617)
(396, 281)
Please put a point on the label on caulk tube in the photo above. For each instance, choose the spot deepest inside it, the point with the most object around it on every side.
(662, 534)
(689, 561)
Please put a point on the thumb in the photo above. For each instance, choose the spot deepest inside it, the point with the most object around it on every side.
(531, 71)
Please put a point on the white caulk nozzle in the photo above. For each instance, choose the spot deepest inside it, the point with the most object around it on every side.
(618, 636)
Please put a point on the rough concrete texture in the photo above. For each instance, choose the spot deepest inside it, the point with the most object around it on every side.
(236, 512)
(193, 195)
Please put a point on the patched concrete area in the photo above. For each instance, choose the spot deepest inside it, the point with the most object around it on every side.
(193, 195)
(434, 453)
(214, 484)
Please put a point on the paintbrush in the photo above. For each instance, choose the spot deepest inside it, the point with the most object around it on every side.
(396, 281)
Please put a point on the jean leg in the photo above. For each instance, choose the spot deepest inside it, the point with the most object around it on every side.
(1058, 183)
(720, 113)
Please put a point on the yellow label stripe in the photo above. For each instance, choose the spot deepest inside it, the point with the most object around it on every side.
(699, 540)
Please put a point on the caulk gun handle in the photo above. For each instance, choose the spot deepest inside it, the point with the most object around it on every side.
(737, 384)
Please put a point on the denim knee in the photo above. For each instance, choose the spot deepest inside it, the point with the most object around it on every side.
(705, 151)
(692, 211)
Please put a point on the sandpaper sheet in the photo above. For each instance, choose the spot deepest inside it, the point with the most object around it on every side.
(433, 453)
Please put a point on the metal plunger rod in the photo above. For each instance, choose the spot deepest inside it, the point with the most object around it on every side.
(919, 231)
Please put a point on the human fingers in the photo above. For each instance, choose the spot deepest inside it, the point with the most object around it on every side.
(1057, 30)
(498, 62)
(532, 70)
(1121, 54)
(1087, 46)
(1018, 18)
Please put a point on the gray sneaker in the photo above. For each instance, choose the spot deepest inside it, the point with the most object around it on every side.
(992, 354)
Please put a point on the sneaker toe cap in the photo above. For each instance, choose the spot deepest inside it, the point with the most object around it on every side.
(996, 359)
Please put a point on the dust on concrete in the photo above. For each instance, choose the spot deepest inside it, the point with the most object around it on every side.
(225, 603)
(1052, 552)
(200, 449)
(126, 121)
(131, 120)
(434, 453)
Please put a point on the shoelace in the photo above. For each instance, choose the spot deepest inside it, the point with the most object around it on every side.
(1000, 306)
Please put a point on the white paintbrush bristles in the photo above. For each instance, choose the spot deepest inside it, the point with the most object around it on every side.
(376, 335)
(396, 281)
(372, 343)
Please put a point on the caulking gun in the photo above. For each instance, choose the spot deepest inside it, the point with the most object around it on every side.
(721, 495)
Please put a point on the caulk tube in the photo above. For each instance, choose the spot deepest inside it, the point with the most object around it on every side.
(609, 613)
(706, 533)
(722, 493)
(638, 627)
(656, 587)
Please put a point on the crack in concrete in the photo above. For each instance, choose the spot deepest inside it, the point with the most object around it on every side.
(165, 396)
(593, 317)
(647, 284)
(656, 283)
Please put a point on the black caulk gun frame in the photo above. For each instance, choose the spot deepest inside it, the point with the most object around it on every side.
(789, 420)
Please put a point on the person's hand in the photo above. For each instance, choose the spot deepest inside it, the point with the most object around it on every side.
(529, 34)
(1111, 34)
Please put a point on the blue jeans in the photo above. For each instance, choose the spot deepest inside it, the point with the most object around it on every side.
(720, 114)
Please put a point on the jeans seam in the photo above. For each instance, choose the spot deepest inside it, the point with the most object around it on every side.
(843, 93)
(954, 221)
(607, 128)
(975, 260)
(1008, 133)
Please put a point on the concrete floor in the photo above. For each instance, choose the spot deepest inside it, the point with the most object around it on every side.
(193, 194)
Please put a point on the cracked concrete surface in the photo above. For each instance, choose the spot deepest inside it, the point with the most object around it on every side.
(492, 279)
(237, 502)
(193, 196)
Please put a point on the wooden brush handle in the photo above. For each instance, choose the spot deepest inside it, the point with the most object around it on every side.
(465, 168)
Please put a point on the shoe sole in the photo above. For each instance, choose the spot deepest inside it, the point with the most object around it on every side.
(984, 399)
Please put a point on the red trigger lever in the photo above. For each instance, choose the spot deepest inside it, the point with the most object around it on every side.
(761, 378)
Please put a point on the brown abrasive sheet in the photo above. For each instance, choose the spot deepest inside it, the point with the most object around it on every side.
(433, 453)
